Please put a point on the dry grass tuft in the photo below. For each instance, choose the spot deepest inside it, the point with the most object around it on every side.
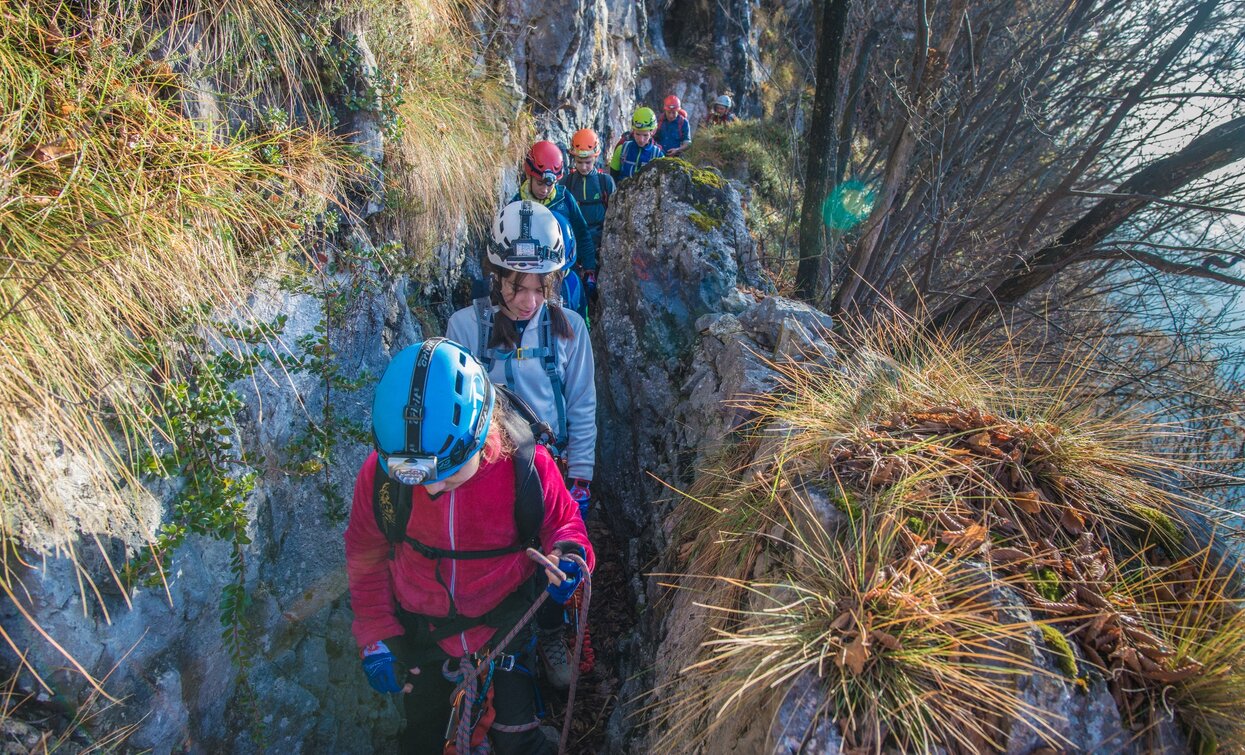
(906, 640)
(460, 123)
(860, 532)
(120, 222)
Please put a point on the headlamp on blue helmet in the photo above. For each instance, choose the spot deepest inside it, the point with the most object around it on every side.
(431, 412)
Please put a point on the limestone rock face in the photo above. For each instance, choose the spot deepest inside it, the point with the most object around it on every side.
(166, 655)
(574, 59)
(718, 41)
(675, 249)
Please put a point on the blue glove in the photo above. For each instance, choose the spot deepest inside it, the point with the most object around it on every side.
(563, 592)
(378, 664)
(581, 493)
(590, 283)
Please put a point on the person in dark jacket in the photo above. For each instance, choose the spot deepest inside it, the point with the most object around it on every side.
(591, 188)
(543, 168)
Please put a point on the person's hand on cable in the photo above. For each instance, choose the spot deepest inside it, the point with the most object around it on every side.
(561, 590)
(581, 493)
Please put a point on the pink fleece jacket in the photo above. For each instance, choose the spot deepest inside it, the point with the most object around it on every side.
(478, 515)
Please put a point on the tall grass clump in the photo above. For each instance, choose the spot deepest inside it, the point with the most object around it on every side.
(909, 524)
(909, 647)
(459, 124)
(122, 223)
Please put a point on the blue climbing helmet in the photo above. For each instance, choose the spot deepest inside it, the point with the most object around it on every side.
(568, 236)
(431, 412)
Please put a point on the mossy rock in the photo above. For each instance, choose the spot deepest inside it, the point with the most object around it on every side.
(704, 222)
(1046, 582)
(1157, 526)
(1065, 657)
(848, 503)
(700, 177)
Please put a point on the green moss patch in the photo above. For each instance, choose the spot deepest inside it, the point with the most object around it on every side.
(1065, 658)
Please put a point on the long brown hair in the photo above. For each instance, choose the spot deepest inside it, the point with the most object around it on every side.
(504, 334)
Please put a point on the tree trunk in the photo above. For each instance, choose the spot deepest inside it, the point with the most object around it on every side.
(927, 75)
(820, 146)
(1217, 148)
(863, 54)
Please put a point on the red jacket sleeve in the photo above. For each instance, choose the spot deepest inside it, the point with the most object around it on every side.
(562, 520)
(367, 566)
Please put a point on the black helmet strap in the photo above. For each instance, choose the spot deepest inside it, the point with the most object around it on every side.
(413, 412)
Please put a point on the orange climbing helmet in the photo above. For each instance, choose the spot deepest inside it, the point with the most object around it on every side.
(672, 103)
(585, 143)
(544, 159)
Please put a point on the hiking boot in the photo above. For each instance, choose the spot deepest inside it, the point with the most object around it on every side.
(557, 664)
(552, 735)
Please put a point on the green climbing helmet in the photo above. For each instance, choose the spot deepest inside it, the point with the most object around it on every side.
(644, 119)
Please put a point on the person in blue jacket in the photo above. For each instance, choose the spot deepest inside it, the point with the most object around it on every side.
(636, 149)
(591, 188)
(674, 132)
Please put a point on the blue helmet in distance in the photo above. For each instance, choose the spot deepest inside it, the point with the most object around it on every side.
(568, 234)
(431, 411)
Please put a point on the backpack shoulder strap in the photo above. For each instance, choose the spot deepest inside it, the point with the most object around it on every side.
(605, 186)
(484, 325)
(529, 496)
(550, 361)
(391, 505)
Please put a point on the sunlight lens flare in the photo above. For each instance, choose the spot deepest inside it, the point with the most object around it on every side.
(848, 205)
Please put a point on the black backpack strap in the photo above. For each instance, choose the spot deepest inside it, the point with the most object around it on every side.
(425, 631)
(529, 496)
(484, 325)
(605, 192)
(429, 552)
(391, 505)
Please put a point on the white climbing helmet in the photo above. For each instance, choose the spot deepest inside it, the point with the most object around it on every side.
(724, 100)
(527, 239)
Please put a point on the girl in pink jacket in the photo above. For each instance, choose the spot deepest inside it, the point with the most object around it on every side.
(460, 580)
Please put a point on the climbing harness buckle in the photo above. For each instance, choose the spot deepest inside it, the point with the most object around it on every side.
(506, 662)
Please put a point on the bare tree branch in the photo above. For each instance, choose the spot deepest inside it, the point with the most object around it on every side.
(1162, 264)
(1207, 153)
(1160, 200)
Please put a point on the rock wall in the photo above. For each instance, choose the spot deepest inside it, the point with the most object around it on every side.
(590, 63)
(165, 653)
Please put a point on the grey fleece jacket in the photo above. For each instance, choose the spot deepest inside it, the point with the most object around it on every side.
(578, 373)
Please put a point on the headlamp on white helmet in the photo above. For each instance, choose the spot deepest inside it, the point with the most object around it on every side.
(527, 239)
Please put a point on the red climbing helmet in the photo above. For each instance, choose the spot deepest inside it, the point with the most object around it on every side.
(671, 103)
(544, 162)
